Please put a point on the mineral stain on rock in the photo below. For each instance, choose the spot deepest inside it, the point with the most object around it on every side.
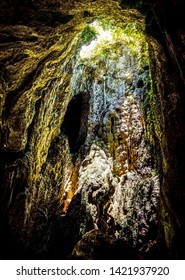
(89, 104)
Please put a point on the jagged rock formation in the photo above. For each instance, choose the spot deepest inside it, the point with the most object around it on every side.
(90, 118)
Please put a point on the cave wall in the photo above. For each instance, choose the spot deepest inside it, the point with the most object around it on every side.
(170, 17)
(165, 21)
(61, 190)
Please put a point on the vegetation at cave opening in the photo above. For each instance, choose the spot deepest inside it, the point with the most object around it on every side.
(88, 35)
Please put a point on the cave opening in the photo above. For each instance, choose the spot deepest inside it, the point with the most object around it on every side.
(75, 121)
(117, 57)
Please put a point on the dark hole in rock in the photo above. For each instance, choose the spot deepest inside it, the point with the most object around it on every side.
(53, 19)
(8, 38)
(140, 83)
(87, 14)
(75, 121)
(146, 67)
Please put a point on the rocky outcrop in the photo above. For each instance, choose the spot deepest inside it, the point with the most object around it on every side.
(173, 191)
(90, 118)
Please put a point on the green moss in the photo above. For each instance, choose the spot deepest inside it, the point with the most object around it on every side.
(105, 53)
(107, 23)
(88, 35)
(102, 52)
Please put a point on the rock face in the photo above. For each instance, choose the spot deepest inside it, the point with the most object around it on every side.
(90, 109)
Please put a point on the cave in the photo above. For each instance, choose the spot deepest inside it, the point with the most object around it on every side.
(92, 146)
(75, 121)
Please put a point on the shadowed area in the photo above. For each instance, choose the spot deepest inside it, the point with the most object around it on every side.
(75, 121)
